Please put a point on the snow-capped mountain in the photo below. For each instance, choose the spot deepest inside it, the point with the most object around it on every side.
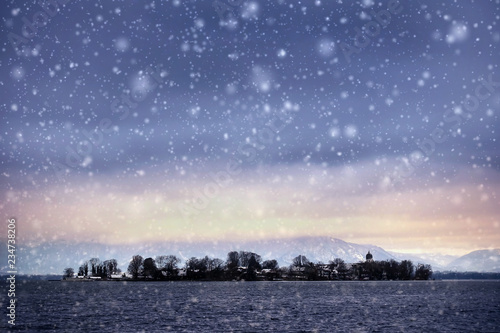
(317, 249)
(52, 258)
(477, 261)
(439, 262)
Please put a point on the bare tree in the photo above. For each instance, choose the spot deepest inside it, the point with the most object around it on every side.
(168, 264)
(245, 257)
(196, 264)
(109, 267)
(150, 269)
(83, 269)
(253, 265)
(270, 264)
(233, 259)
(161, 261)
(423, 272)
(196, 268)
(68, 272)
(217, 264)
(340, 266)
(405, 270)
(94, 262)
(215, 267)
(113, 266)
(391, 268)
(300, 261)
(135, 266)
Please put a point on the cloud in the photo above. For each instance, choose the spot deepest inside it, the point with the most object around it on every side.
(278, 201)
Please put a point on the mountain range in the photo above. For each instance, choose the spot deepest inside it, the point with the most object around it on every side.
(54, 257)
(478, 261)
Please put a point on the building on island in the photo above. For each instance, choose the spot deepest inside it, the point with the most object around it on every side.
(369, 257)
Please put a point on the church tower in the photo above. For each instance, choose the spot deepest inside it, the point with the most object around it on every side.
(369, 257)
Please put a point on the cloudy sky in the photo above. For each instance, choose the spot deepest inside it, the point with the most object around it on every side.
(369, 121)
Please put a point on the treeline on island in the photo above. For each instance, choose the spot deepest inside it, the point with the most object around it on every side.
(248, 266)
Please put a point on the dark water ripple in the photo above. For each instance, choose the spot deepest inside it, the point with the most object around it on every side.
(433, 306)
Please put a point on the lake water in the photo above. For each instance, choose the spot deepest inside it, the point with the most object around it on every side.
(385, 306)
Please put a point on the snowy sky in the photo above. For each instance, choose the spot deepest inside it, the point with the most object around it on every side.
(132, 121)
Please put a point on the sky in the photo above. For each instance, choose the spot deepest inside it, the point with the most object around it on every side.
(131, 122)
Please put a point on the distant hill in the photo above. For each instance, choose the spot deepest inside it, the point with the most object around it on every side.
(439, 262)
(317, 249)
(477, 261)
(52, 258)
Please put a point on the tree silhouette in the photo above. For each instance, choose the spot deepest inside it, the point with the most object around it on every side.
(68, 272)
(215, 268)
(168, 264)
(405, 270)
(233, 260)
(232, 263)
(423, 272)
(110, 266)
(252, 266)
(391, 269)
(94, 262)
(300, 261)
(245, 257)
(270, 264)
(150, 269)
(135, 266)
(340, 266)
(311, 271)
(247, 265)
(83, 269)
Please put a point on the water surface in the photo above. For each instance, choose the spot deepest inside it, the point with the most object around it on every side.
(382, 306)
